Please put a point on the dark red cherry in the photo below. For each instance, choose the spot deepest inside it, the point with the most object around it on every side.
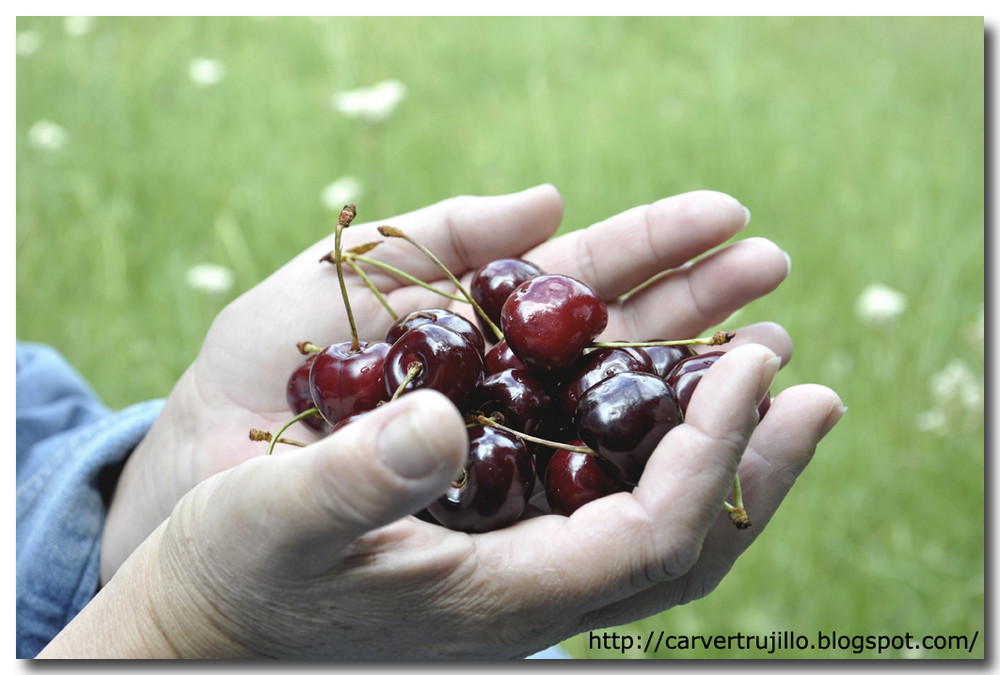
(350, 419)
(440, 317)
(547, 321)
(299, 396)
(493, 283)
(494, 488)
(343, 381)
(500, 357)
(573, 479)
(665, 357)
(686, 375)
(624, 418)
(517, 395)
(595, 366)
(450, 363)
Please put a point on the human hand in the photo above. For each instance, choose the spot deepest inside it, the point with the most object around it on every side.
(309, 554)
(237, 381)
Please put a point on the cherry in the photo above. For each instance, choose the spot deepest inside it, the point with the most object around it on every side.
(441, 317)
(687, 373)
(595, 366)
(493, 283)
(494, 487)
(624, 417)
(519, 397)
(344, 380)
(573, 479)
(665, 357)
(500, 357)
(448, 363)
(547, 321)
(299, 396)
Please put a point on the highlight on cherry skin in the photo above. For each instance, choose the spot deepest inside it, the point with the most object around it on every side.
(548, 408)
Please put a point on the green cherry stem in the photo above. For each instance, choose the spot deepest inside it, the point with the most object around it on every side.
(347, 214)
(368, 282)
(258, 435)
(488, 422)
(403, 275)
(737, 513)
(719, 338)
(412, 373)
(387, 231)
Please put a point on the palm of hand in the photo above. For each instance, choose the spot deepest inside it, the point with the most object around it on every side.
(222, 397)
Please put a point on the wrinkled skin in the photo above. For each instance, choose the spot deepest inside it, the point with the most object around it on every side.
(310, 552)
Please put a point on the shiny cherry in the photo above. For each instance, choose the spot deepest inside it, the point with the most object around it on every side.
(441, 317)
(624, 417)
(517, 395)
(665, 357)
(299, 396)
(547, 321)
(499, 357)
(449, 363)
(494, 488)
(493, 283)
(687, 373)
(573, 479)
(596, 366)
(344, 381)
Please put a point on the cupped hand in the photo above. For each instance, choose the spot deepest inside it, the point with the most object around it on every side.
(238, 380)
(310, 554)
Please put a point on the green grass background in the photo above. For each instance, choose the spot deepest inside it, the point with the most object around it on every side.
(857, 143)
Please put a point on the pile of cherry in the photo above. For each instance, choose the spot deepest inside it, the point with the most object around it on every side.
(542, 399)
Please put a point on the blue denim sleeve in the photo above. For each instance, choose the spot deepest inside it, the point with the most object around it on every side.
(66, 440)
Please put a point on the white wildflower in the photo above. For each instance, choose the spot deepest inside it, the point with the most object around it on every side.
(209, 278)
(47, 136)
(957, 386)
(78, 25)
(932, 420)
(879, 304)
(206, 72)
(28, 42)
(373, 104)
(344, 190)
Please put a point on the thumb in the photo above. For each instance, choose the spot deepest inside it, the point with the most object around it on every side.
(307, 503)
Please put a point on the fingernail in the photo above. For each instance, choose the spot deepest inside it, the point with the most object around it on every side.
(770, 370)
(788, 261)
(746, 220)
(406, 448)
(832, 419)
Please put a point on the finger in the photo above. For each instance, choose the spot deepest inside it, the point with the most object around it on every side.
(779, 450)
(304, 505)
(616, 546)
(627, 249)
(695, 297)
(463, 232)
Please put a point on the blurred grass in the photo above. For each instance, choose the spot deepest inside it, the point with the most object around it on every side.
(857, 143)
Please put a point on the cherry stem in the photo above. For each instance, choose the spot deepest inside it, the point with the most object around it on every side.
(486, 421)
(387, 231)
(737, 513)
(258, 435)
(368, 282)
(412, 373)
(403, 275)
(719, 338)
(305, 348)
(261, 435)
(347, 214)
